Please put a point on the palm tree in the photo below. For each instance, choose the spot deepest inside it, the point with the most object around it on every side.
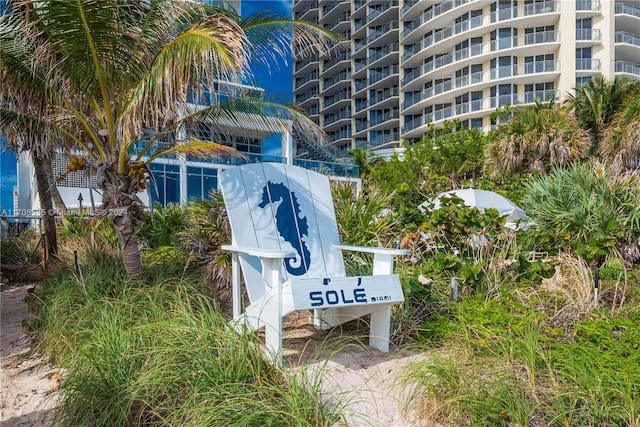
(596, 103)
(125, 67)
(537, 137)
(23, 91)
(621, 142)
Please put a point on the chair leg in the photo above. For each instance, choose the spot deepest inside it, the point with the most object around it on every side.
(380, 329)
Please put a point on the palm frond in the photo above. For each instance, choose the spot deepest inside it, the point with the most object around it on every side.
(209, 50)
(256, 114)
(199, 148)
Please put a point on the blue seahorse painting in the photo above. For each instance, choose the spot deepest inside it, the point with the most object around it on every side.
(290, 224)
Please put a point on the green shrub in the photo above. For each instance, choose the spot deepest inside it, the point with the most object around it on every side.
(590, 209)
(143, 354)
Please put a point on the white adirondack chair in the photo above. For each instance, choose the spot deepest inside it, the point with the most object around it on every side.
(285, 238)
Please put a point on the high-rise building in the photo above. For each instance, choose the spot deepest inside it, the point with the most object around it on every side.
(415, 62)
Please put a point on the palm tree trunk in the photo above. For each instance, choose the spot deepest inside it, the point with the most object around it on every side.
(129, 244)
(46, 205)
(58, 202)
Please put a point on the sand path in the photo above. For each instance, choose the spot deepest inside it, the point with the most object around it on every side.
(26, 381)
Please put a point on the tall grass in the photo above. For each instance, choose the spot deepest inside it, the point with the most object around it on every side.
(161, 354)
(509, 363)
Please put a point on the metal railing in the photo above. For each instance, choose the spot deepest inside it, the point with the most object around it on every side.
(627, 67)
(587, 34)
(628, 38)
(628, 9)
(587, 64)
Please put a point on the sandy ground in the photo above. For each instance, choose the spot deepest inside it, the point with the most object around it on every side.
(27, 383)
(360, 380)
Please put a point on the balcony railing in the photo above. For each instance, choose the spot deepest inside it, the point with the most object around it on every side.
(305, 96)
(345, 75)
(376, 76)
(589, 5)
(587, 64)
(587, 34)
(381, 118)
(541, 95)
(386, 94)
(308, 5)
(445, 33)
(383, 139)
(333, 61)
(379, 9)
(342, 18)
(628, 38)
(299, 65)
(302, 81)
(524, 69)
(437, 10)
(628, 9)
(332, 118)
(384, 29)
(627, 67)
(445, 86)
(343, 134)
(377, 54)
(331, 169)
(337, 97)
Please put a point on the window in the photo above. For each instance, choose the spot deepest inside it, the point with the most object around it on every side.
(539, 35)
(167, 179)
(539, 91)
(201, 182)
(539, 63)
(506, 94)
(507, 66)
(504, 38)
(584, 58)
(584, 29)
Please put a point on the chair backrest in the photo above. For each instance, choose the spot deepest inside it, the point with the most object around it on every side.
(282, 207)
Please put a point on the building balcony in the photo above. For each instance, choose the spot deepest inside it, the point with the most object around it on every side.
(379, 140)
(526, 11)
(377, 10)
(302, 81)
(627, 9)
(301, 65)
(331, 8)
(336, 117)
(522, 42)
(344, 76)
(343, 18)
(587, 64)
(378, 54)
(383, 118)
(384, 95)
(627, 38)
(626, 67)
(587, 5)
(627, 46)
(305, 7)
(303, 97)
(331, 100)
(588, 34)
(330, 63)
(332, 169)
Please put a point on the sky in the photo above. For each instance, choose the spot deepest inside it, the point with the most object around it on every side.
(276, 80)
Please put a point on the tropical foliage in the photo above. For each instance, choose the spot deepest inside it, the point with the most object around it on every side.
(117, 76)
(535, 138)
(589, 208)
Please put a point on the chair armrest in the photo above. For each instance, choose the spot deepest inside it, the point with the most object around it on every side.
(372, 250)
(261, 253)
